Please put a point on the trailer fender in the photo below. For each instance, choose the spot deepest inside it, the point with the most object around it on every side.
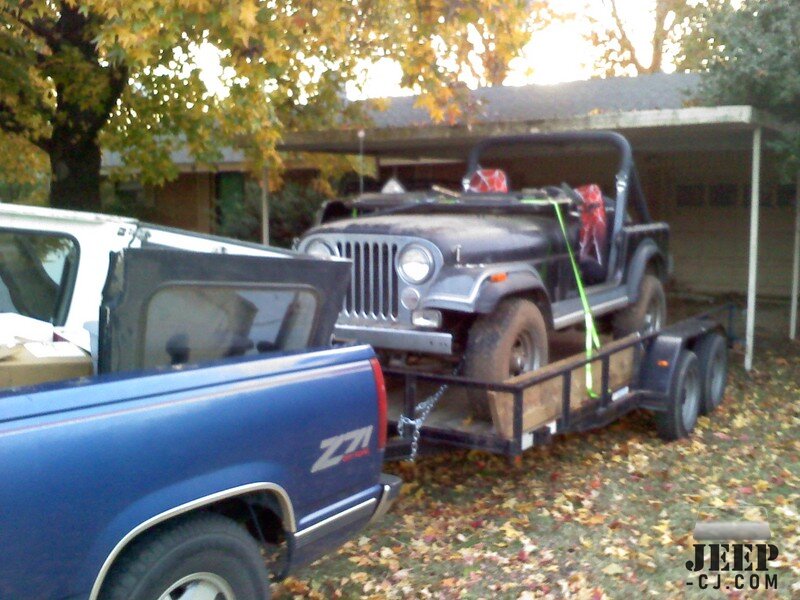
(659, 363)
(645, 252)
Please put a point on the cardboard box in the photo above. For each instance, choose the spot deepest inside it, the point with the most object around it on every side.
(39, 362)
(542, 403)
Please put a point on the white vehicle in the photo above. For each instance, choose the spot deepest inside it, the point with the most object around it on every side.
(54, 263)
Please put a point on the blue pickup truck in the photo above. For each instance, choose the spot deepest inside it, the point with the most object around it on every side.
(220, 422)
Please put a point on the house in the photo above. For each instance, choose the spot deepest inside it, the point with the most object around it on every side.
(701, 167)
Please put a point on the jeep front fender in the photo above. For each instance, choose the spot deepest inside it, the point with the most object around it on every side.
(471, 290)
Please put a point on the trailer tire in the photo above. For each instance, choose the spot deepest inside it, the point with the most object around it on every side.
(712, 356)
(648, 314)
(683, 399)
(510, 341)
(206, 551)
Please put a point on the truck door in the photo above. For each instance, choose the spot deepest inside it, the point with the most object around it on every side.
(168, 307)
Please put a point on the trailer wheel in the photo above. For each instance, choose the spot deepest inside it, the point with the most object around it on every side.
(204, 556)
(683, 400)
(712, 356)
(510, 341)
(648, 314)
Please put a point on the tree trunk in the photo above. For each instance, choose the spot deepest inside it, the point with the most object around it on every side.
(75, 173)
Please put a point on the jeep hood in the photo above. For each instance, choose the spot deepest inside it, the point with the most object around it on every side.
(483, 238)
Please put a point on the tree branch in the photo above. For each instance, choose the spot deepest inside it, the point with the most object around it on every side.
(10, 124)
(38, 27)
(624, 40)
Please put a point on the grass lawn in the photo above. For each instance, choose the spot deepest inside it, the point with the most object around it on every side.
(607, 514)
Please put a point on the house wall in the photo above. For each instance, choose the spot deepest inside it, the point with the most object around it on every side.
(706, 200)
(186, 202)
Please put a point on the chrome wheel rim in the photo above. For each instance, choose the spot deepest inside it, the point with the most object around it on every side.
(199, 586)
(524, 355)
(690, 399)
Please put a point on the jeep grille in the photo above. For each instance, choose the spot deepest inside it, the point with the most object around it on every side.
(373, 284)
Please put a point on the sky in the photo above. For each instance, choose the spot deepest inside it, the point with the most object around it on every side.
(556, 54)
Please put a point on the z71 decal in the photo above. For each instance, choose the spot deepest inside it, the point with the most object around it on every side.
(342, 448)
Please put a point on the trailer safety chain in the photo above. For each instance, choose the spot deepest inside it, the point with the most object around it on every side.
(592, 338)
(421, 412)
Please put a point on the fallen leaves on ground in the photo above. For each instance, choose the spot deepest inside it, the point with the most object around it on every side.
(608, 514)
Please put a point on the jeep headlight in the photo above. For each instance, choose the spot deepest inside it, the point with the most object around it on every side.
(415, 264)
(320, 249)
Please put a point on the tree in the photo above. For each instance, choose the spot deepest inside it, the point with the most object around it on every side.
(679, 36)
(756, 61)
(78, 76)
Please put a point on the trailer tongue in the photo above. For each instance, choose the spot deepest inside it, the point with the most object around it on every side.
(677, 372)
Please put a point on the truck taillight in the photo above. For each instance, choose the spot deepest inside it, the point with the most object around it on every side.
(380, 386)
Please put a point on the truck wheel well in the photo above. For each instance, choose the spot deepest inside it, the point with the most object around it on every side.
(259, 512)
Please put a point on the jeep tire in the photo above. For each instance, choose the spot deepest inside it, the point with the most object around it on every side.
(204, 555)
(508, 342)
(648, 314)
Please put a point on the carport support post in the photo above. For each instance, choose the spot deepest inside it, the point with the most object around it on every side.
(795, 263)
(265, 206)
(755, 194)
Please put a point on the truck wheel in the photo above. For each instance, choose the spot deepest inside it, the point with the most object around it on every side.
(648, 314)
(712, 356)
(205, 556)
(683, 400)
(508, 342)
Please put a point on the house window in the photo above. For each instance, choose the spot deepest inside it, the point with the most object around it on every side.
(687, 195)
(723, 194)
(230, 196)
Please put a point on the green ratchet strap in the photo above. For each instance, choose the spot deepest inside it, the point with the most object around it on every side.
(592, 339)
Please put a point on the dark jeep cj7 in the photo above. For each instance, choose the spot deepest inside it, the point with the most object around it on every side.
(487, 272)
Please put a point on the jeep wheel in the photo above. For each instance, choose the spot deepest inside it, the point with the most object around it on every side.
(508, 342)
(202, 556)
(649, 314)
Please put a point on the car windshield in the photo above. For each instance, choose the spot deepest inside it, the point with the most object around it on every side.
(36, 272)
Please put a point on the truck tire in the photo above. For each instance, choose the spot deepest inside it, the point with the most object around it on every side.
(510, 341)
(204, 554)
(648, 314)
(712, 356)
(683, 400)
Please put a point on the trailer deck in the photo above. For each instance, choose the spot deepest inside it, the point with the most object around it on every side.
(635, 372)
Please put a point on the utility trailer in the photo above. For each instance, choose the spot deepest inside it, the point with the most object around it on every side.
(678, 372)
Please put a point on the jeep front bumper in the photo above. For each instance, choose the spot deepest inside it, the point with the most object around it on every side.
(395, 338)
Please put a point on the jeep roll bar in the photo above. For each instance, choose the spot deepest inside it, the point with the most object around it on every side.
(627, 178)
